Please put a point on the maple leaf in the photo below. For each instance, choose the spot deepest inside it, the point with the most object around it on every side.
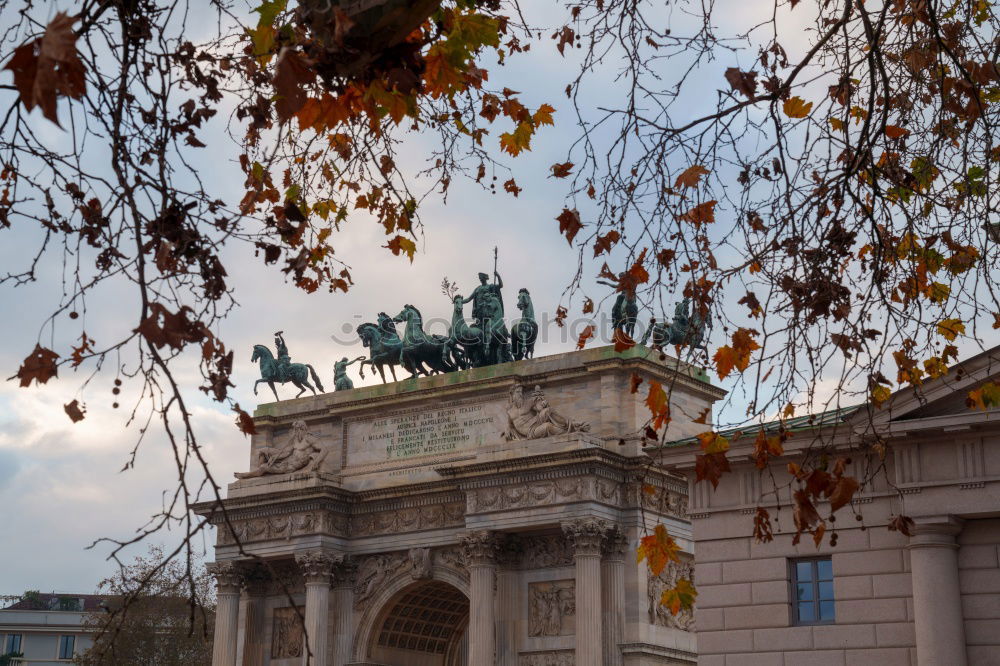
(48, 67)
(712, 442)
(40, 365)
(244, 421)
(984, 397)
(950, 328)
(656, 401)
(74, 411)
(400, 244)
(622, 341)
(691, 176)
(743, 82)
(565, 36)
(290, 75)
(842, 492)
(894, 132)
(736, 356)
(680, 597)
(569, 224)
(711, 467)
(633, 383)
(511, 186)
(518, 140)
(703, 213)
(796, 107)
(586, 335)
(175, 330)
(657, 549)
(879, 395)
(604, 243)
(86, 345)
(562, 170)
(543, 116)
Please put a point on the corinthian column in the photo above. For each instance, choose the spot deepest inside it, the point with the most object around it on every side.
(613, 595)
(316, 567)
(481, 549)
(255, 582)
(937, 601)
(507, 601)
(344, 575)
(227, 612)
(586, 536)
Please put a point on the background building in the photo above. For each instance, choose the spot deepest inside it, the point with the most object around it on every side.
(47, 628)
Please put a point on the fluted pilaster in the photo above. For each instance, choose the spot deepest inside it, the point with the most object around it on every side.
(586, 536)
(317, 570)
(481, 549)
(227, 612)
(344, 575)
(613, 595)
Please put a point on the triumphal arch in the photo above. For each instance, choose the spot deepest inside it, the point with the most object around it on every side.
(488, 516)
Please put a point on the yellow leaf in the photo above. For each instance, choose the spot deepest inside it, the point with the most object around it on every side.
(950, 328)
(518, 140)
(837, 124)
(543, 116)
(880, 394)
(713, 442)
(796, 107)
(401, 245)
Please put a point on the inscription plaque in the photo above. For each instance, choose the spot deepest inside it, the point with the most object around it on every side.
(427, 433)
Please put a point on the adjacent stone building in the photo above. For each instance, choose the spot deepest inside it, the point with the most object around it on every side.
(878, 596)
(489, 516)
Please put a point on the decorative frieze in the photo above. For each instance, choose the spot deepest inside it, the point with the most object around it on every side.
(521, 495)
(266, 528)
(409, 519)
(656, 585)
(552, 608)
(548, 658)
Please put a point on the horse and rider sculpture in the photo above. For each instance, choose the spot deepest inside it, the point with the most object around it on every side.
(484, 341)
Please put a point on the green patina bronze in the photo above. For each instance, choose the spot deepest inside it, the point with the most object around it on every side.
(341, 382)
(624, 313)
(281, 369)
(686, 329)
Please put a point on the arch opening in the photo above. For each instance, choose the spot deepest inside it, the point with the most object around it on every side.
(423, 625)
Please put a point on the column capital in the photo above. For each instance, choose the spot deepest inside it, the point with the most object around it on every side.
(256, 579)
(316, 566)
(228, 577)
(615, 543)
(586, 535)
(345, 571)
(935, 532)
(481, 548)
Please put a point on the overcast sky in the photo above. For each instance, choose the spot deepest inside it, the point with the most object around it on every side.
(59, 482)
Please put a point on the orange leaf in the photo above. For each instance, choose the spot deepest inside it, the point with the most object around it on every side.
(586, 335)
(796, 107)
(401, 245)
(562, 170)
(603, 243)
(622, 341)
(40, 365)
(244, 421)
(74, 411)
(691, 176)
(290, 75)
(701, 214)
(657, 549)
(569, 224)
(713, 442)
(843, 492)
(894, 132)
(711, 467)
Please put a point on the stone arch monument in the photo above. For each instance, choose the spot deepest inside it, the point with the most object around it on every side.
(485, 517)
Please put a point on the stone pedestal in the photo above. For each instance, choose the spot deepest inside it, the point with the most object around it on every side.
(227, 612)
(937, 600)
(317, 570)
(481, 550)
(586, 537)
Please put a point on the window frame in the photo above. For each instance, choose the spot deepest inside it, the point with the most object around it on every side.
(793, 587)
(72, 646)
(8, 647)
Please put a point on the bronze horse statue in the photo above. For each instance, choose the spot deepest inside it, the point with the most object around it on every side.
(418, 348)
(524, 331)
(271, 371)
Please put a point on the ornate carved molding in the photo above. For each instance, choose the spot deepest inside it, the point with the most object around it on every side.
(410, 519)
(452, 558)
(552, 608)
(285, 527)
(545, 551)
(655, 585)
(548, 658)
(586, 535)
(536, 493)
(317, 565)
(421, 564)
(481, 547)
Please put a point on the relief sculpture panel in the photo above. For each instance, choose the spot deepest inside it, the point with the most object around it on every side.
(548, 658)
(409, 519)
(660, 614)
(552, 608)
(285, 527)
(286, 633)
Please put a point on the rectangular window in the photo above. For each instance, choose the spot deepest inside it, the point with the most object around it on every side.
(12, 644)
(812, 591)
(66, 645)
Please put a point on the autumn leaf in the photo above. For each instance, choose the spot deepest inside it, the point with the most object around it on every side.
(804, 515)
(543, 116)
(604, 243)
(244, 421)
(657, 549)
(588, 306)
(569, 224)
(712, 442)
(703, 417)
(894, 132)
(736, 356)
(711, 467)
(691, 176)
(950, 328)
(762, 530)
(796, 107)
(561, 170)
(703, 213)
(842, 492)
(680, 597)
(879, 395)
(400, 245)
(633, 383)
(511, 186)
(518, 140)
(742, 82)
(902, 524)
(40, 365)
(291, 74)
(986, 396)
(586, 335)
(75, 411)
(656, 401)
(622, 340)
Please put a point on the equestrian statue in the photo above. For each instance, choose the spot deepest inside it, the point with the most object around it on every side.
(384, 346)
(281, 369)
(437, 352)
(625, 313)
(686, 329)
(524, 331)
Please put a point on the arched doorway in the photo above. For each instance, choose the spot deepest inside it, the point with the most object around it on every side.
(422, 625)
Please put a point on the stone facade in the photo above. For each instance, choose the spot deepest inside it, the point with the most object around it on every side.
(927, 599)
(482, 517)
